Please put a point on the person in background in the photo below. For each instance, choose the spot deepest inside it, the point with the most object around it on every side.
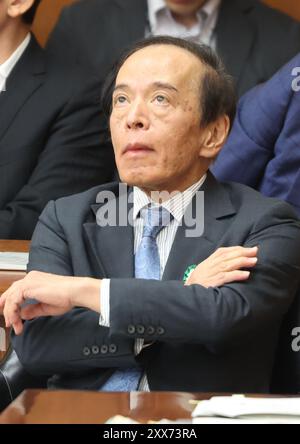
(53, 140)
(115, 307)
(263, 149)
(253, 39)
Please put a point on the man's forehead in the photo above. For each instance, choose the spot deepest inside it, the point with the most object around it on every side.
(160, 63)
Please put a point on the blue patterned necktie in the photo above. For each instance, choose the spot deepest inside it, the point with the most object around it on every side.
(147, 266)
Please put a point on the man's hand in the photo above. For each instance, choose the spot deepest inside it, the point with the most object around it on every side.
(55, 296)
(224, 266)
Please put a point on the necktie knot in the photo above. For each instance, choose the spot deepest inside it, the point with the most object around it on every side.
(155, 219)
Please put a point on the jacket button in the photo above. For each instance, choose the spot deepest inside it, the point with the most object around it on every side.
(150, 330)
(112, 348)
(160, 331)
(95, 350)
(140, 329)
(104, 349)
(86, 351)
(131, 329)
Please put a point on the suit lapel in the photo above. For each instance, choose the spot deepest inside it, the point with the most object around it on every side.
(233, 15)
(188, 251)
(112, 247)
(25, 79)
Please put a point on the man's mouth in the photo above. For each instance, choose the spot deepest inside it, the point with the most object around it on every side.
(137, 149)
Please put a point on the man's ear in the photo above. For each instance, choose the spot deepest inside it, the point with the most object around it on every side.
(214, 138)
(17, 8)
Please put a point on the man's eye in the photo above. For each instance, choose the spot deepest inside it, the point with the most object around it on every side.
(161, 99)
(120, 100)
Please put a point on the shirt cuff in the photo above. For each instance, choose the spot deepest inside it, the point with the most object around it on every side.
(104, 320)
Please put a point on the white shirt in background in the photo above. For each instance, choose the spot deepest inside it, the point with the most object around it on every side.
(162, 22)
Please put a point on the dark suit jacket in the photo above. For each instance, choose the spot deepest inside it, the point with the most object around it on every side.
(263, 149)
(52, 140)
(254, 40)
(216, 339)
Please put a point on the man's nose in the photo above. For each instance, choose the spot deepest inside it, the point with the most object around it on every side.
(138, 116)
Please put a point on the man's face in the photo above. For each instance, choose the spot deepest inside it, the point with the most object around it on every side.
(184, 7)
(155, 121)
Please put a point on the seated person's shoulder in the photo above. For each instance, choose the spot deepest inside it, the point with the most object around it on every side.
(83, 8)
(66, 216)
(78, 205)
(275, 28)
(253, 206)
(277, 36)
(261, 11)
(69, 79)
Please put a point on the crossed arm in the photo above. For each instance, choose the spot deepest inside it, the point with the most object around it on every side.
(228, 297)
(57, 295)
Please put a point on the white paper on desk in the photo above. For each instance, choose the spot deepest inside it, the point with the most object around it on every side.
(268, 420)
(14, 261)
(242, 407)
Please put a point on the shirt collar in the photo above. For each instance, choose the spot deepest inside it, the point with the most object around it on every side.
(7, 67)
(154, 7)
(176, 205)
(208, 10)
(210, 7)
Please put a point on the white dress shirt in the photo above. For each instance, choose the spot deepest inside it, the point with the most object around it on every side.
(162, 22)
(7, 67)
(177, 206)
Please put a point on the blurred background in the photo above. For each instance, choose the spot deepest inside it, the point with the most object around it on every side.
(50, 9)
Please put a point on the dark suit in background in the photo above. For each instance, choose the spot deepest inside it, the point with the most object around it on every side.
(253, 39)
(263, 149)
(52, 139)
(212, 340)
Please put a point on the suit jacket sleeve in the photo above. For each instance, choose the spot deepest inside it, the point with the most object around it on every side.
(57, 345)
(75, 155)
(217, 318)
(262, 150)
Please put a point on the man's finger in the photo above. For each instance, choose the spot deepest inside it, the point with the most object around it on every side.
(18, 327)
(235, 276)
(2, 302)
(3, 298)
(236, 252)
(11, 314)
(32, 311)
(12, 307)
(240, 262)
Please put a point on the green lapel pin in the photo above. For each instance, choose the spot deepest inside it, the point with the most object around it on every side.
(188, 272)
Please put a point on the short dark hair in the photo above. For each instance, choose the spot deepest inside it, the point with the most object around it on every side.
(28, 17)
(218, 96)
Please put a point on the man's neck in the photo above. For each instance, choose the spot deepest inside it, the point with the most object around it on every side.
(187, 20)
(10, 39)
(163, 191)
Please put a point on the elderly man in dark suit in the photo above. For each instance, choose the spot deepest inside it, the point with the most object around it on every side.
(53, 141)
(253, 39)
(191, 277)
